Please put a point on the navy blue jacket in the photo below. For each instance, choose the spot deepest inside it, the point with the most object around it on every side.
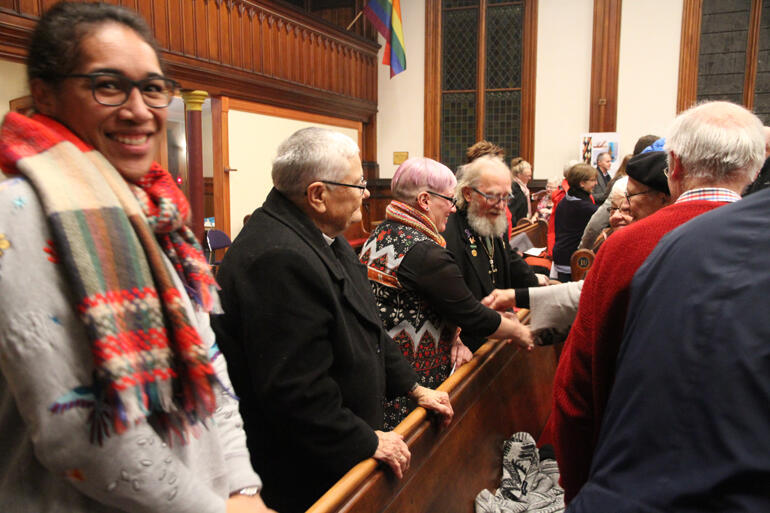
(687, 425)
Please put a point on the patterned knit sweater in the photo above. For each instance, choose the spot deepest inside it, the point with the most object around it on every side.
(587, 364)
(424, 336)
(47, 462)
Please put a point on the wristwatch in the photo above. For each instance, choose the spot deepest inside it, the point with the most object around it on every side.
(249, 491)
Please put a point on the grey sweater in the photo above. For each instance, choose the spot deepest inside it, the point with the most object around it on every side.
(47, 463)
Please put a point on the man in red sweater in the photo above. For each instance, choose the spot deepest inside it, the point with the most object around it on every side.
(713, 151)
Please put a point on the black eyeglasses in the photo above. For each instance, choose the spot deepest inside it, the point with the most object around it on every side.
(450, 199)
(493, 199)
(113, 89)
(629, 196)
(361, 185)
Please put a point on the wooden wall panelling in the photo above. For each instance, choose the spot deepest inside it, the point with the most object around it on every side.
(175, 35)
(528, 83)
(200, 29)
(605, 60)
(752, 53)
(188, 27)
(241, 48)
(689, 47)
(432, 78)
(220, 107)
(481, 72)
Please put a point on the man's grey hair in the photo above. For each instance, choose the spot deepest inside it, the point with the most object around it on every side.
(310, 155)
(717, 142)
(469, 175)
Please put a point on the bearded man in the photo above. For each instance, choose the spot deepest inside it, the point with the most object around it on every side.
(474, 233)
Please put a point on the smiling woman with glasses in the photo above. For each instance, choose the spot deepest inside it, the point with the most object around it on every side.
(420, 292)
(114, 313)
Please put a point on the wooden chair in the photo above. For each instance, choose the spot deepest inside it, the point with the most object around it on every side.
(580, 262)
(504, 389)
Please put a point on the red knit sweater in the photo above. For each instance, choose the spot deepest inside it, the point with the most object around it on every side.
(587, 364)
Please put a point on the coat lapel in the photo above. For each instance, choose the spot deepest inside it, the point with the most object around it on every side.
(341, 261)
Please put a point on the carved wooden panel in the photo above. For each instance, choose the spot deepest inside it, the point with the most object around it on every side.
(260, 51)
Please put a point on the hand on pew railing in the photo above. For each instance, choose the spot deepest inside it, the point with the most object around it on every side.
(435, 401)
(393, 451)
(460, 354)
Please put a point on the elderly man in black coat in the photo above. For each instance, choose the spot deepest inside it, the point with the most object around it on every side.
(306, 349)
(474, 233)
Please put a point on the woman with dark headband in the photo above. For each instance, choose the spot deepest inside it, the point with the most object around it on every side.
(113, 395)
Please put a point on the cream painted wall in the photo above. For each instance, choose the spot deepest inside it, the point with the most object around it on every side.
(401, 115)
(649, 68)
(13, 83)
(563, 87)
(253, 141)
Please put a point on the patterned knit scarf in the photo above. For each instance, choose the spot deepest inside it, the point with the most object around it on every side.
(410, 216)
(149, 360)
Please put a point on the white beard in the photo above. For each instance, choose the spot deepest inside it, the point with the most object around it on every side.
(485, 226)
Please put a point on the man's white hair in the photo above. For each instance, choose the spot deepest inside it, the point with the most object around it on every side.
(469, 175)
(717, 142)
(309, 155)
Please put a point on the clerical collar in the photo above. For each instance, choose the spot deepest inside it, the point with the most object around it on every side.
(329, 240)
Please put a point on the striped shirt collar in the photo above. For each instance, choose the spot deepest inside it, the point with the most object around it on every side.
(709, 194)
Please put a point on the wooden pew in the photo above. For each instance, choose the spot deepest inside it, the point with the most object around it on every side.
(504, 389)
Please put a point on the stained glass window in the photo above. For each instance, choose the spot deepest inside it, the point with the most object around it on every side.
(458, 127)
(460, 45)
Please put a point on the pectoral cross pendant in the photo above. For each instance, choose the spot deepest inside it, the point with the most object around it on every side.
(492, 270)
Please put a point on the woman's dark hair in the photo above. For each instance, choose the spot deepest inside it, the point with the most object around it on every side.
(55, 45)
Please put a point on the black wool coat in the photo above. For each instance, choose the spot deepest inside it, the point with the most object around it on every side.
(306, 352)
(513, 271)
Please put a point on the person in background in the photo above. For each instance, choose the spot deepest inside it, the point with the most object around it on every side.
(603, 165)
(520, 205)
(571, 216)
(305, 345)
(115, 397)
(545, 205)
(473, 233)
(618, 210)
(712, 151)
(420, 292)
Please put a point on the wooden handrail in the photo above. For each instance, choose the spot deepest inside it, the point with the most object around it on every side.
(368, 474)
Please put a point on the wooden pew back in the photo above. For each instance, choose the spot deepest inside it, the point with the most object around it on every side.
(503, 390)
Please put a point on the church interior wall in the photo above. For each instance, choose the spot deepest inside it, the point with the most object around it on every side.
(13, 83)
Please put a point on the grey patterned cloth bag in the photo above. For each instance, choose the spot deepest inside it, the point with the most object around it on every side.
(528, 484)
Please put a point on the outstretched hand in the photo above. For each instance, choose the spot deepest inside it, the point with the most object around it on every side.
(523, 335)
(500, 299)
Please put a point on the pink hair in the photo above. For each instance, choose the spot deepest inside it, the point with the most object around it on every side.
(418, 174)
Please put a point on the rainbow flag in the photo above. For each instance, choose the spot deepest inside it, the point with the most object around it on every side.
(386, 16)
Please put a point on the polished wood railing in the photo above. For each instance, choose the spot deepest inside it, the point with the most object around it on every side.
(504, 389)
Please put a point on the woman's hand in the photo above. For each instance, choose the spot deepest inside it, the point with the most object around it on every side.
(460, 353)
(517, 332)
(500, 299)
(246, 504)
(434, 400)
(392, 451)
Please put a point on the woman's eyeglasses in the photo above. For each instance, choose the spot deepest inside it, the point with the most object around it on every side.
(113, 89)
(450, 199)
